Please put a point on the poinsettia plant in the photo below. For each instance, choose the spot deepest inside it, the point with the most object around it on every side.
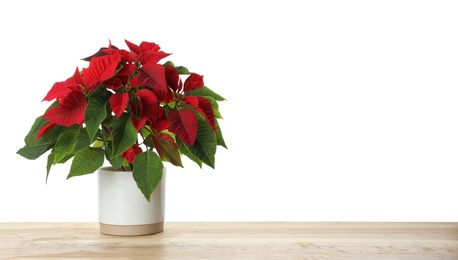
(132, 110)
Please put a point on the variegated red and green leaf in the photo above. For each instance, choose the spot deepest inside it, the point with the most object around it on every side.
(167, 148)
(204, 147)
(46, 127)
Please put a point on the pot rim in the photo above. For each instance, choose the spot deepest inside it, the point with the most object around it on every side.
(112, 169)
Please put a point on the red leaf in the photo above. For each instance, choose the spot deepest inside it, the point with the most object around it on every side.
(100, 69)
(102, 51)
(59, 90)
(164, 96)
(157, 118)
(146, 52)
(138, 123)
(134, 82)
(132, 152)
(192, 101)
(184, 124)
(149, 46)
(149, 109)
(78, 79)
(152, 56)
(151, 52)
(194, 81)
(118, 103)
(133, 47)
(70, 110)
(204, 107)
(147, 99)
(152, 75)
(126, 71)
(162, 122)
(113, 83)
(172, 77)
(125, 55)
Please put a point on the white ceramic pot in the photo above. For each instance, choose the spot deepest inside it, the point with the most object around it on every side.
(123, 210)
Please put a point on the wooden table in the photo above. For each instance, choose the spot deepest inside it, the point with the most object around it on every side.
(234, 240)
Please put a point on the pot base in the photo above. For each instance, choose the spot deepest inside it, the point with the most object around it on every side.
(131, 230)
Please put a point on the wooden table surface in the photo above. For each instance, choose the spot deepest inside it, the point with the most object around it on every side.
(234, 240)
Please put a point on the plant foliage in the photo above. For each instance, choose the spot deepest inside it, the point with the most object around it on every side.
(132, 110)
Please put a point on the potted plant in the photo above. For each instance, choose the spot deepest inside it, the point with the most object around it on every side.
(136, 112)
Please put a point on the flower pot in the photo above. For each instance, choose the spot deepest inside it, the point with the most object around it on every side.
(123, 210)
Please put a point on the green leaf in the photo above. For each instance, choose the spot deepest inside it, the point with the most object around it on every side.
(116, 161)
(219, 136)
(185, 150)
(205, 91)
(49, 164)
(168, 63)
(204, 147)
(182, 70)
(147, 172)
(96, 112)
(86, 161)
(65, 145)
(83, 140)
(147, 139)
(106, 135)
(124, 134)
(33, 149)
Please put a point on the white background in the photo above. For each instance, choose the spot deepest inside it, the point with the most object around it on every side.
(335, 111)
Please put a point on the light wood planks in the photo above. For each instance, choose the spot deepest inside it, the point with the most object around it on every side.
(234, 240)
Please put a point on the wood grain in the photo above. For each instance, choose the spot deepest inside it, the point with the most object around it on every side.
(234, 240)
